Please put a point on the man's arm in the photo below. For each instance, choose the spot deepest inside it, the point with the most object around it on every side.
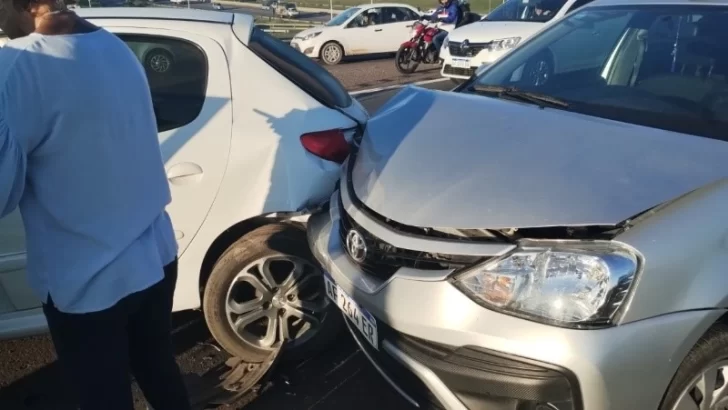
(452, 15)
(13, 164)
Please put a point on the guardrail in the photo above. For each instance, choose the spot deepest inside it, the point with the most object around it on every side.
(284, 30)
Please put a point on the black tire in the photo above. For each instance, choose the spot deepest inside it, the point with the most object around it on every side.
(711, 349)
(331, 53)
(282, 241)
(404, 56)
(158, 61)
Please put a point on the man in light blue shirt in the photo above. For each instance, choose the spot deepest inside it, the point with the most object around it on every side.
(79, 156)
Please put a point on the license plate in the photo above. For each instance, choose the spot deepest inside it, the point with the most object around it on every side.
(363, 320)
(461, 62)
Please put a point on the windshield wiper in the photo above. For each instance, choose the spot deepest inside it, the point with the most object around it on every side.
(541, 100)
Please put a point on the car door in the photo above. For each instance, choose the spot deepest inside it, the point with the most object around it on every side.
(395, 27)
(15, 293)
(361, 37)
(192, 102)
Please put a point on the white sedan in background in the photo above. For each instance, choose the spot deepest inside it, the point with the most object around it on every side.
(244, 174)
(484, 42)
(366, 29)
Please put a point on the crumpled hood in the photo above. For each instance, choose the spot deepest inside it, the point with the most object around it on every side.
(485, 31)
(447, 160)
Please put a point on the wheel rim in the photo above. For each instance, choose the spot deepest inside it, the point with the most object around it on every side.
(708, 391)
(276, 298)
(332, 54)
(159, 63)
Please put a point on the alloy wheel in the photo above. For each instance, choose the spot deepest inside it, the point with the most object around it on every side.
(276, 298)
(709, 391)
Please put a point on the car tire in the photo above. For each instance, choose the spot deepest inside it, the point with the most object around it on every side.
(158, 61)
(331, 53)
(709, 359)
(240, 289)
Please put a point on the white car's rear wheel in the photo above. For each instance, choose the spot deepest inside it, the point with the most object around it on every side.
(267, 288)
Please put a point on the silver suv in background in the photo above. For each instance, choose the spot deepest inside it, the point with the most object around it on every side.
(552, 235)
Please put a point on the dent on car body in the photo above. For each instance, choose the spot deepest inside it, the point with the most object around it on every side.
(527, 167)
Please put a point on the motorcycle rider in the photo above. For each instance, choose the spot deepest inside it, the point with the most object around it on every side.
(448, 12)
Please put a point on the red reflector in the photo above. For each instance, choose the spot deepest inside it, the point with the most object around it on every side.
(330, 145)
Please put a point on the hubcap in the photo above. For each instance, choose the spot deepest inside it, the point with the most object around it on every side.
(159, 63)
(332, 54)
(708, 391)
(276, 298)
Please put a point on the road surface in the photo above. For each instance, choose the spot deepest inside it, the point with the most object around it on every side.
(341, 378)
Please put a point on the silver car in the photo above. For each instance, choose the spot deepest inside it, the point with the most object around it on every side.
(554, 233)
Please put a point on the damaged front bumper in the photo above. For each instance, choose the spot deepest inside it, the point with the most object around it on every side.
(437, 345)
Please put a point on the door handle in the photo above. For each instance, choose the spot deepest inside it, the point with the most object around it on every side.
(409, 25)
(379, 29)
(184, 173)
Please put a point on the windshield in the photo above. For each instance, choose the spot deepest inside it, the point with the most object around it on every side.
(526, 10)
(342, 17)
(291, 6)
(660, 66)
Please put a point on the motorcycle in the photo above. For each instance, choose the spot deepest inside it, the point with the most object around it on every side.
(419, 48)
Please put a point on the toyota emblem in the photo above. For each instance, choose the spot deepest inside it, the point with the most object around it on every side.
(356, 246)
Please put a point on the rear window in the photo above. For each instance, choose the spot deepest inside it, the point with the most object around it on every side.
(299, 69)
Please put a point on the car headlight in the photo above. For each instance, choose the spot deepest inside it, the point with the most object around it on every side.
(578, 284)
(504, 43)
(310, 36)
(446, 42)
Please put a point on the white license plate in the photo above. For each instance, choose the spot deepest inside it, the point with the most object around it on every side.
(461, 62)
(363, 320)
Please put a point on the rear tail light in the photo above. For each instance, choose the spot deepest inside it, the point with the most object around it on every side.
(330, 145)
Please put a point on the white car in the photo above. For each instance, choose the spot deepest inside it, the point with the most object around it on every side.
(482, 43)
(287, 10)
(253, 134)
(366, 29)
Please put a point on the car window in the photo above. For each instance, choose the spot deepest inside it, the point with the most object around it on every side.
(408, 14)
(342, 17)
(661, 66)
(368, 17)
(577, 4)
(177, 75)
(526, 10)
(393, 15)
(299, 69)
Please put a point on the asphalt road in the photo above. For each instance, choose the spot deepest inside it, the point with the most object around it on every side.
(339, 378)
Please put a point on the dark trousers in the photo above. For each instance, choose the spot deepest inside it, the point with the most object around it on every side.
(98, 350)
(439, 39)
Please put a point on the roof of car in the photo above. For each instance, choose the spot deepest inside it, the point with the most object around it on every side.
(659, 2)
(158, 13)
(377, 5)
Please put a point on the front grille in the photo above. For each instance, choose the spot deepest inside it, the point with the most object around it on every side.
(383, 260)
(466, 72)
(470, 50)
